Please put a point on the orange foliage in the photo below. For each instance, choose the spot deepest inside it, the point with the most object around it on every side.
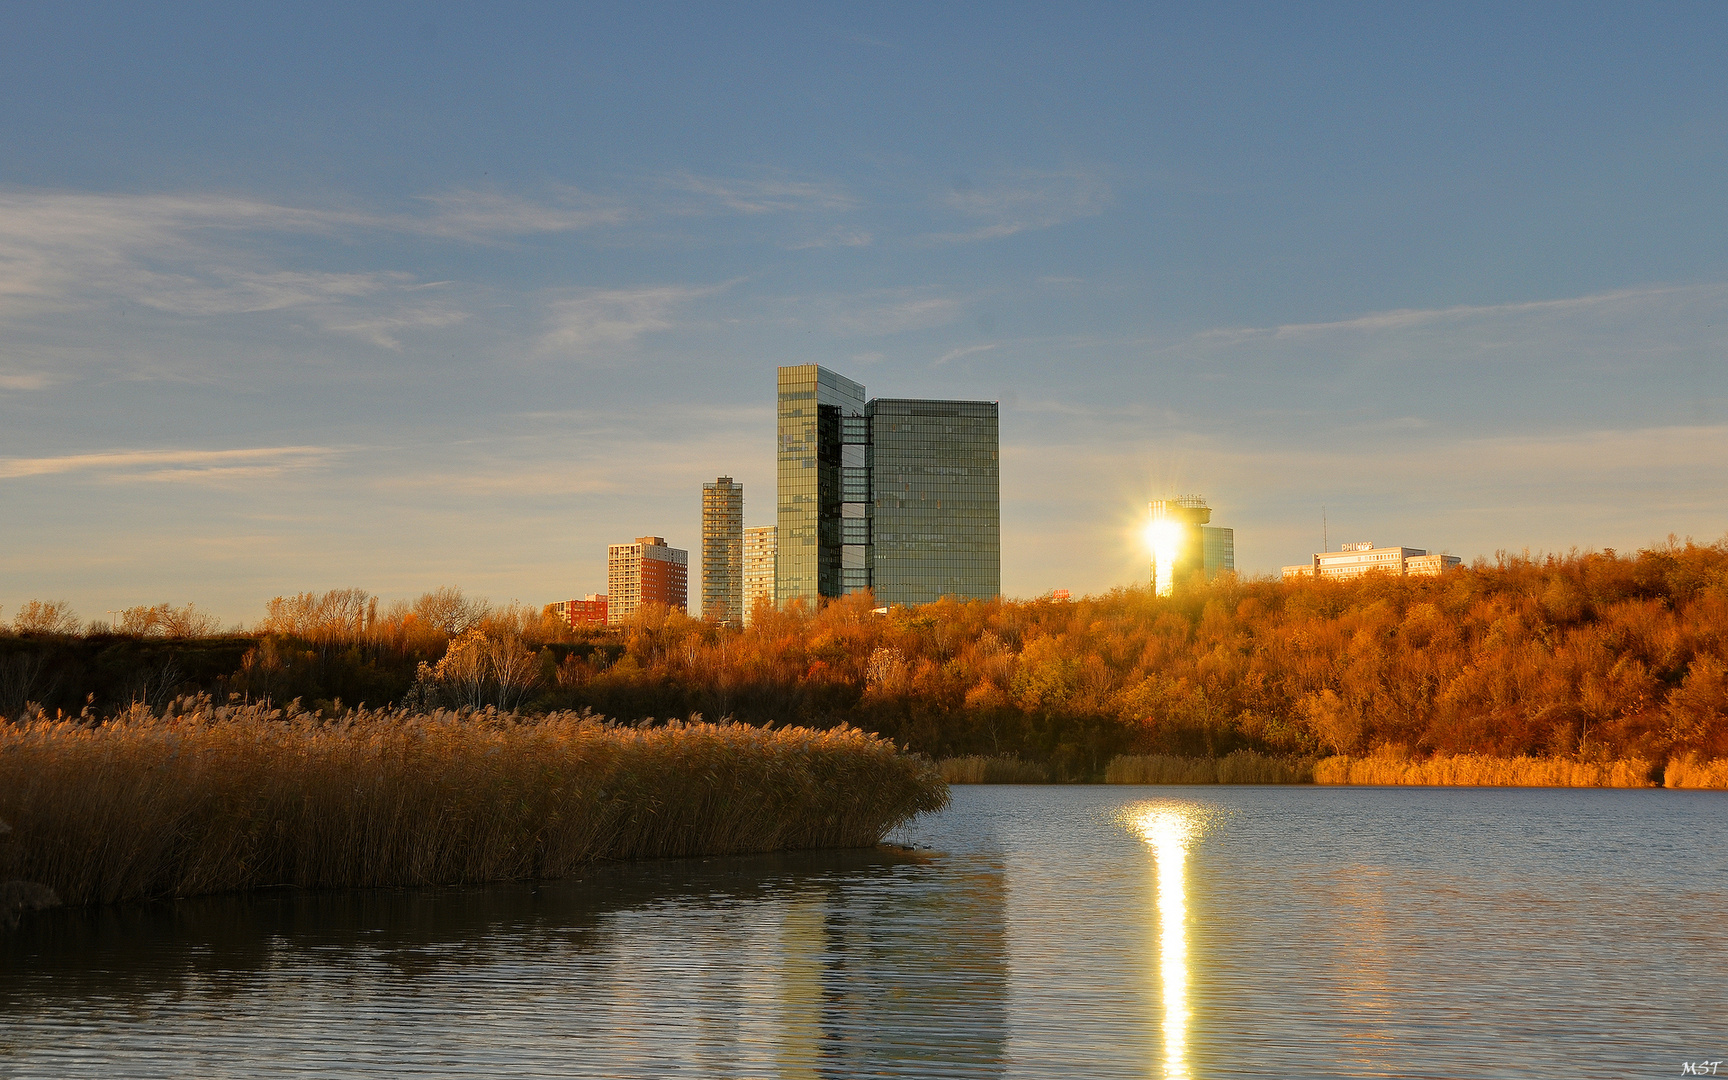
(1583, 656)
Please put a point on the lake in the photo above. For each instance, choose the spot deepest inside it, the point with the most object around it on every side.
(1028, 932)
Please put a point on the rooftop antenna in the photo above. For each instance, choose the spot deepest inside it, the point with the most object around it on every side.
(1325, 541)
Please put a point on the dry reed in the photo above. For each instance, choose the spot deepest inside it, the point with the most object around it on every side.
(1471, 770)
(210, 799)
(979, 769)
(1687, 771)
(1240, 767)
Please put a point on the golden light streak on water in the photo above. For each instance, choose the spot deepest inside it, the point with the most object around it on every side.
(1168, 830)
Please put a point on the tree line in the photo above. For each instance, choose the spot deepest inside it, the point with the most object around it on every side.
(1585, 655)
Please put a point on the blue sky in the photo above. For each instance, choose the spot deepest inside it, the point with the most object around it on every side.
(400, 296)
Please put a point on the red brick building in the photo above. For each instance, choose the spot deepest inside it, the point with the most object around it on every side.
(589, 612)
(645, 572)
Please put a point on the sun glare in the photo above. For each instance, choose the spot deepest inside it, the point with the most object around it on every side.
(1168, 831)
(1163, 536)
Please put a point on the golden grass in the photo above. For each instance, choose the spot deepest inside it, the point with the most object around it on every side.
(1471, 770)
(210, 799)
(1687, 771)
(978, 769)
(1240, 767)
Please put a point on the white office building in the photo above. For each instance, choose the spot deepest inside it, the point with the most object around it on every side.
(1354, 560)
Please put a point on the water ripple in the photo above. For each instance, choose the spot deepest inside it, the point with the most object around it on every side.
(1038, 932)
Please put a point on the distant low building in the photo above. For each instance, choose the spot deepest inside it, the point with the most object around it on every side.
(645, 572)
(1354, 560)
(761, 548)
(588, 612)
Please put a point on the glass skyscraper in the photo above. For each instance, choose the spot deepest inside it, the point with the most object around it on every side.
(812, 403)
(896, 495)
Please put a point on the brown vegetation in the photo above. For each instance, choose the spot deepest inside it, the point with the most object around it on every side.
(1687, 771)
(1238, 767)
(208, 799)
(1002, 769)
(1474, 770)
(1587, 658)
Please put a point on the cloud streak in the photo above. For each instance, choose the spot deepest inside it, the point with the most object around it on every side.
(593, 322)
(203, 255)
(969, 350)
(1023, 202)
(1624, 301)
(159, 465)
(769, 195)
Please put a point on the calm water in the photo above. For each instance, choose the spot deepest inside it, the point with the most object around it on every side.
(1097, 932)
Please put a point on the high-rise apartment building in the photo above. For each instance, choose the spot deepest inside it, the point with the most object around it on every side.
(1355, 560)
(760, 548)
(723, 551)
(1183, 542)
(645, 572)
(898, 496)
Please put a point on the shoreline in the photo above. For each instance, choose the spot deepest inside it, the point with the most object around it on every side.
(1685, 772)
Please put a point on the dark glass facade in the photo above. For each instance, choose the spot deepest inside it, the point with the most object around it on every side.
(811, 404)
(1220, 550)
(936, 523)
(896, 495)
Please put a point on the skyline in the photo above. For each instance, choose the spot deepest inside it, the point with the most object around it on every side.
(414, 296)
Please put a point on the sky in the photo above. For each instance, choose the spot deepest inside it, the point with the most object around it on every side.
(397, 296)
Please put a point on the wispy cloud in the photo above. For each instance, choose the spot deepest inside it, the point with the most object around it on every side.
(763, 195)
(170, 465)
(1626, 300)
(1023, 201)
(836, 237)
(593, 322)
(969, 350)
(25, 380)
(889, 311)
(485, 216)
(599, 452)
(200, 255)
(226, 290)
(387, 331)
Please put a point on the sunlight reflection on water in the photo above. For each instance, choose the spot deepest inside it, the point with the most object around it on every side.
(1038, 933)
(1167, 829)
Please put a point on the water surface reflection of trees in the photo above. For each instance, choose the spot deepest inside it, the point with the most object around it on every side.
(819, 964)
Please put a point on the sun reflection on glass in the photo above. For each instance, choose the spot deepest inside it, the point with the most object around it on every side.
(1168, 830)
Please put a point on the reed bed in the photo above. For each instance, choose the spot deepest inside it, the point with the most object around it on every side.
(1240, 767)
(210, 799)
(980, 769)
(1471, 770)
(1687, 771)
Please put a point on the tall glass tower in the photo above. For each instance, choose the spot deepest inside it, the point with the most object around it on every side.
(935, 481)
(895, 495)
(812, 403)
